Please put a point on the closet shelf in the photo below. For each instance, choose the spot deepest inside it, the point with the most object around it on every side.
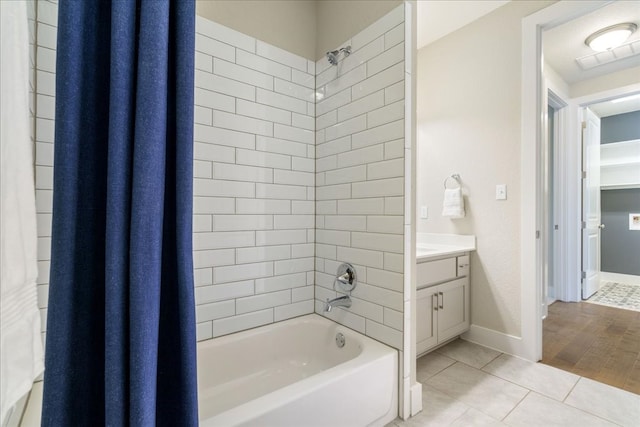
(627, 186)
(634, 162)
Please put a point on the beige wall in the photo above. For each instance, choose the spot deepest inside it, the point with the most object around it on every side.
(469, 123)
(289, 25)
(339, 20)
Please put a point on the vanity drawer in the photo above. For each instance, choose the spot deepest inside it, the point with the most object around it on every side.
(463, 265)
(431, 272)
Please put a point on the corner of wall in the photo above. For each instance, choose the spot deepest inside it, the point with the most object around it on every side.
(360, 149)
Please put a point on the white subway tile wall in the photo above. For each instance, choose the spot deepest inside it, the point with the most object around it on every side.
(253, 244)
(360, 179)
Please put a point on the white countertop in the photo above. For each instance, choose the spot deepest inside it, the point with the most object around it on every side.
(431, 245)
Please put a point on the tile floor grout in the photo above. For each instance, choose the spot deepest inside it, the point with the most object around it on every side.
(516, 406)
(587, 412)
(569, 393)
(522, 376)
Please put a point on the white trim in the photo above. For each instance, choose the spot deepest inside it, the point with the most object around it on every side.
(606, 95)
(416, 398)
(568, 188)
(410, 390)
(570, 162)
(556, 97)
(627, 279)
(531, 199)
(491, 338)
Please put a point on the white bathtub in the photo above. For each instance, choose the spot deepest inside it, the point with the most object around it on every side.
(292, 373)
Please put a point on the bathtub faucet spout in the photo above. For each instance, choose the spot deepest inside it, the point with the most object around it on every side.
(343, 301)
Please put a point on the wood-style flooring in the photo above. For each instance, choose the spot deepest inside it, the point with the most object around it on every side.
(594, 341)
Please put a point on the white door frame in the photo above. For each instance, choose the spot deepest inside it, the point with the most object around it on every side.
(532, 200)
(558, 101)
(567, 161)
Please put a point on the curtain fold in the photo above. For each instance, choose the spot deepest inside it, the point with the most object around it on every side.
(120, 346)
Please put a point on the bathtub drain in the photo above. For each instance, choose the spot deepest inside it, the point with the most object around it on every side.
(340, 340)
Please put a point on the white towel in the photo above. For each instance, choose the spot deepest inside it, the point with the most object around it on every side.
(21, 355)
(453, 205)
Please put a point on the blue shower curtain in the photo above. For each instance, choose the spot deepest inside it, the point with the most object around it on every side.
(120, 344)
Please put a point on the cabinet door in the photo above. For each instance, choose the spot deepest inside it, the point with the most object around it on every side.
(453, 308)
(426, 336)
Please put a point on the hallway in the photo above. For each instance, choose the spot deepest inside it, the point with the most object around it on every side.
(594, 341)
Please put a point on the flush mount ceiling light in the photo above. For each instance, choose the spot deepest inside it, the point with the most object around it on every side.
(610, 37)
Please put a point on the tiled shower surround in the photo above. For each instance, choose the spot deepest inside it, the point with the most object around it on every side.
(286, 185)
(254, 182)
(360, 178)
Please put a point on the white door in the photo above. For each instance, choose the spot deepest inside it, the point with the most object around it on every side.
(590, 203)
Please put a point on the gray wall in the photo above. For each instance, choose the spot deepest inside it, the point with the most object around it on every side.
(621, 127)
(620, 248)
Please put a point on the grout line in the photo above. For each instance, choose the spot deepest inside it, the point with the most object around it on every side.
(486, 364)
(585, 411)
(517, 404)
(571, 391)
(431, 376)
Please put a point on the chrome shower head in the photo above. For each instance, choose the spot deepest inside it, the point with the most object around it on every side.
(332, 57)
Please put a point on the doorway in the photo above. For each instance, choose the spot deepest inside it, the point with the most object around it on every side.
(574, 333)
(534, 205)
(597, 335)
(618, 138)
(619, 199)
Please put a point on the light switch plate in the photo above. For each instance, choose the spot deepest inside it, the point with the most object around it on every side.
(424, 212)
(501, 192)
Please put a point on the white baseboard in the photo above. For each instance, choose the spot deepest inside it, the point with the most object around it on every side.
(416, 398)
(619, 278)
(499, 341)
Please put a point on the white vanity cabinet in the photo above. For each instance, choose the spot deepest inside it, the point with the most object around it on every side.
(442, 310)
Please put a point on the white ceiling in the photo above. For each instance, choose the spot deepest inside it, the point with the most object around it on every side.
(563, 44)
(439, 18)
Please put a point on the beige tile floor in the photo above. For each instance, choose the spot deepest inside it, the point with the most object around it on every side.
(464, 384)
